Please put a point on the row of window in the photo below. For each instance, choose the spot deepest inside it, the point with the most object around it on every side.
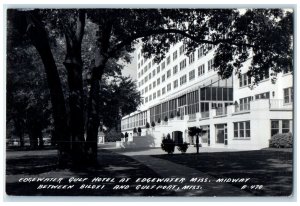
(182, 65)
(245, 80)
(201, 71)
(244, 103)
(137, 120)
(187, 104)
(182, 81)
(241, 130)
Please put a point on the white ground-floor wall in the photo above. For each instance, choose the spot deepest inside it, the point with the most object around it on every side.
(247, 130)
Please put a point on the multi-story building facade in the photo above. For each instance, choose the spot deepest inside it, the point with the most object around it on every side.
(187, 91)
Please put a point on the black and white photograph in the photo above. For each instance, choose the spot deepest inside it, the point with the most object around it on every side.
(150, 101)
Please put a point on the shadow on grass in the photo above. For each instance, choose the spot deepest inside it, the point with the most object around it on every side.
(272, 169)
(110, 165)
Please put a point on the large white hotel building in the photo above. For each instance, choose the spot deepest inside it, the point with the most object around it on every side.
(187, 92)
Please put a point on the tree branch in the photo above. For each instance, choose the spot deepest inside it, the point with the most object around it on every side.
(175, 31)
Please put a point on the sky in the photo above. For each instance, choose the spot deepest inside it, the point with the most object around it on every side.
(130, 69)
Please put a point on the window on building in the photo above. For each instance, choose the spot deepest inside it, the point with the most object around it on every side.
(175, 69)
(264, 75)
(150, 97)
(245, 80)
(153, 62)
(210, 64)
(216, 93)
(163, 90)
(146, 89)
(183, 79)
(154, 84)
(145, 69)
(285, 126)
(181, 49)
(192, 75)
(201, 69)
(174, 55)
(139, 56)
(191, 58)
(242, 130)
(182, 64)
(193, 102)
(265, 95)
(154, 95)
(146, 79)
(175, 84)
(150, 87)
(281, 126)
(200, 52)
(168, 60)
(182, 100)
(169, 87)
(139, 65)
(245, 104)
(168, 73)
(288, 95)
(158, 69)
(163, 66)
(163, 78)
(149, 65)
(146, 99)
(158, 93)
(153, 72)
(149, 76)
(158, 81)
(172, 108)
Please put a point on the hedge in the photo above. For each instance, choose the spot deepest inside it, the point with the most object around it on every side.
(284, 140)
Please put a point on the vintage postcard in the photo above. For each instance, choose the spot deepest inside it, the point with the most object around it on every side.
(149, 102)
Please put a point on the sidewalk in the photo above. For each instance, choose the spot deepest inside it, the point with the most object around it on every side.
(158, 151)
(167, 169)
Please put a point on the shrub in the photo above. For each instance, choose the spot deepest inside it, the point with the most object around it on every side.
(183, 147)
(168, 145)
(284, 140)
(147, 125)
(113, 136)
(171, 115)
(158, 121)
(166, 119)
(153, 124)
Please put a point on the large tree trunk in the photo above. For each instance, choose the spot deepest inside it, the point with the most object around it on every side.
(37, 34)
(73, 64)
(93, 121)
(93, 108)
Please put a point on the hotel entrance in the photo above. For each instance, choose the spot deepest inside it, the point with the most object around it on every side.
(221, 134)
(177, 137)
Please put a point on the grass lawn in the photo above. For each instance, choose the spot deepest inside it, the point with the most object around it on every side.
(271, 168)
